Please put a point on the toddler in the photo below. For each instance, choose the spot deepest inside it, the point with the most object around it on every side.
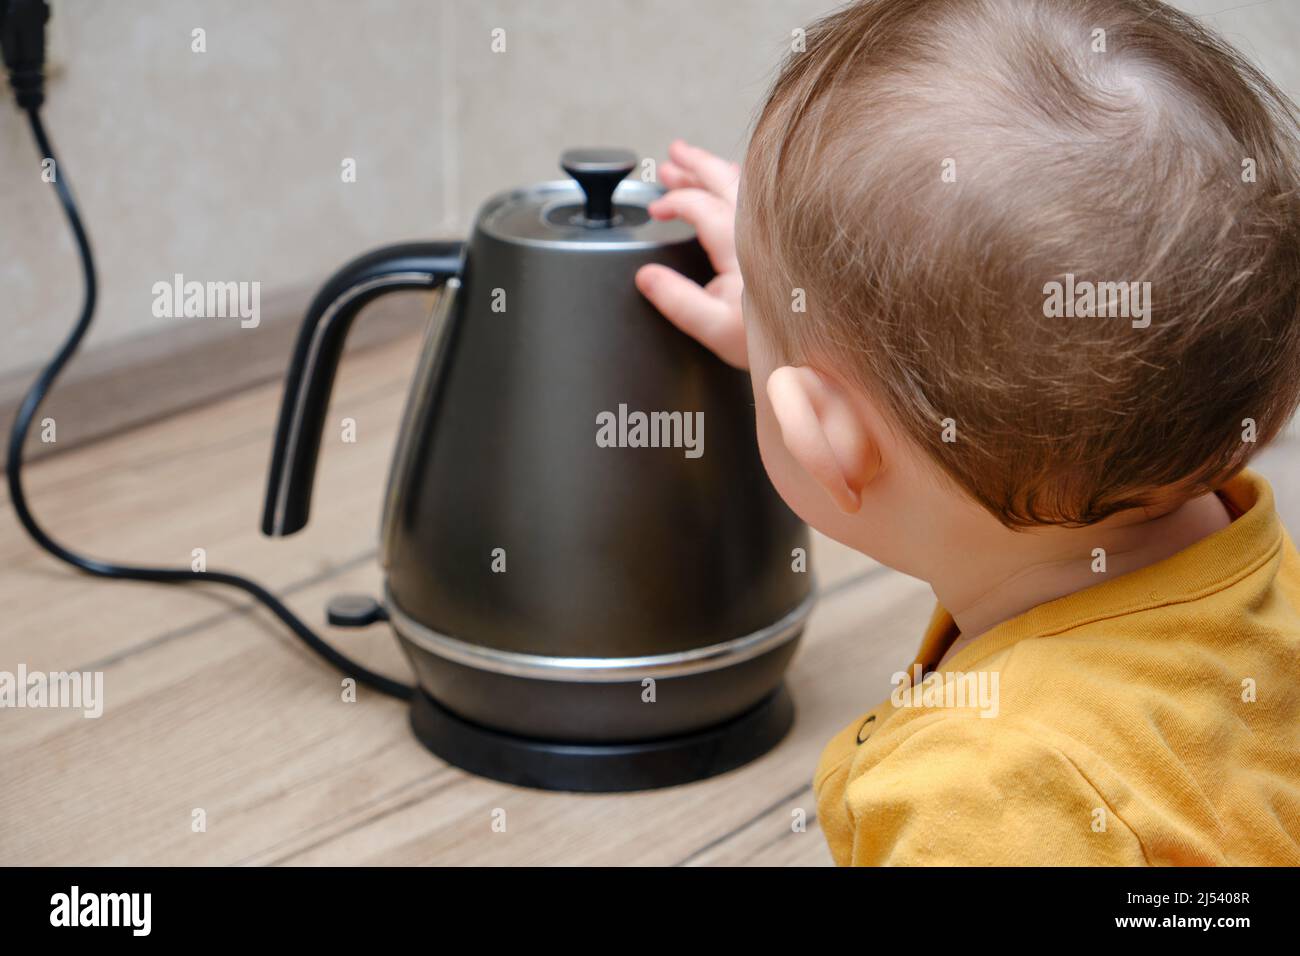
(1021, 298)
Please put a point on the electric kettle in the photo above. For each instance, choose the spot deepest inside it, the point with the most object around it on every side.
(594, 581)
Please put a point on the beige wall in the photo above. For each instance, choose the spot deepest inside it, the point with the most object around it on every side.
(225, 165)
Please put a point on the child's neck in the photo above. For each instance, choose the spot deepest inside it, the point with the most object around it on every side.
(1021, 570)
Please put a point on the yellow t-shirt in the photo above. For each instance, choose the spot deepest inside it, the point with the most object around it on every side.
(1150, 719)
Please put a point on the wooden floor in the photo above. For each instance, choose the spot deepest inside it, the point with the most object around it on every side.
(212, 705)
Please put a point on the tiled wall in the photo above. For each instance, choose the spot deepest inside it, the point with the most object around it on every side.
(225, 165)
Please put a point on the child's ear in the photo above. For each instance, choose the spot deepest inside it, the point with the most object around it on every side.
(824, 431)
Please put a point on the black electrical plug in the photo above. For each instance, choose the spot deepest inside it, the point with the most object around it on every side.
(22, 43)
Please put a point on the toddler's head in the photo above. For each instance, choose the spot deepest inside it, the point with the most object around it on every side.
(1044, 254)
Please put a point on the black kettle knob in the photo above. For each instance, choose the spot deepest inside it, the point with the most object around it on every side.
(598, 172)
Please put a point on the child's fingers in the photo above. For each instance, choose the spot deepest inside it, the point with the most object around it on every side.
(712, 172)
(675, 177)
(714, 220)
(708, 320)
(682, 301)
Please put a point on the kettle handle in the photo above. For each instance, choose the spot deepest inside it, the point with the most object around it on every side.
(310, 377)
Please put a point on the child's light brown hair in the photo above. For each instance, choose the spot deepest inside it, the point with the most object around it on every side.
(924, 168)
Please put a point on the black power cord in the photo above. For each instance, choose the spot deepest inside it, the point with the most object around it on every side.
(22, 40)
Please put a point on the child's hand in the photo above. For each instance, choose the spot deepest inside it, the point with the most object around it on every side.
(702, 192)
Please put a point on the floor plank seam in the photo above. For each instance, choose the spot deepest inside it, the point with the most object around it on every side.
(287, 792)
(453, 778)
(240, 440)
(319, 829)
(809, 820)
(741, 828)
(240, 610)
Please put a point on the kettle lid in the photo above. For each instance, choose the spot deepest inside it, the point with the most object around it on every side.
(598, 207)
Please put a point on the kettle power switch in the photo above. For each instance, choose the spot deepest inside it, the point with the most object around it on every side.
(598, 172)
(354, 610)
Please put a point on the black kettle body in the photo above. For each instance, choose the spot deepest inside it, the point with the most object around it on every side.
(593, 579)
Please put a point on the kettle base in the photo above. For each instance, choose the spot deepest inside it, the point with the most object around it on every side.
(604, 767)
